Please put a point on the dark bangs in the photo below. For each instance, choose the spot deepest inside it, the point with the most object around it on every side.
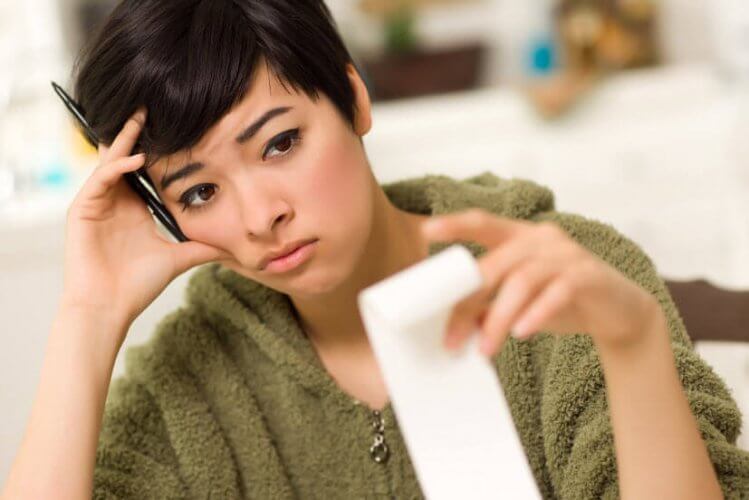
(190, 61)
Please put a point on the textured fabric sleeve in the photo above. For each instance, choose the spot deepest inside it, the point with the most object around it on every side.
(134, 458)
(578, 438)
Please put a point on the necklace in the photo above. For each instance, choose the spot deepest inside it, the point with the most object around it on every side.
(379, 450)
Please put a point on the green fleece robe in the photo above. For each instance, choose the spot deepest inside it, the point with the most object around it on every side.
(228, 399)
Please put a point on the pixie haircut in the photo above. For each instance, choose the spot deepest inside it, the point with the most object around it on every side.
(190, 61)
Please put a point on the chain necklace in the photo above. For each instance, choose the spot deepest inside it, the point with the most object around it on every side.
(379, 449)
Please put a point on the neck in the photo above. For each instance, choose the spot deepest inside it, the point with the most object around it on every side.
(332, 321)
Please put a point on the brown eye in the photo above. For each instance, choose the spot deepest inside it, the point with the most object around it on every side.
(206, 192)
(282, 144)
(198, 197)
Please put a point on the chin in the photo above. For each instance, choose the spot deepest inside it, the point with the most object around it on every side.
(314, 282)
(323, 277)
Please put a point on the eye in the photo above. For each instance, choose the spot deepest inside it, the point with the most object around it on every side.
(283, 143)
(197, 197)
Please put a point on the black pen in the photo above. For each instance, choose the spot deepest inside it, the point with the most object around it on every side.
(141, 185)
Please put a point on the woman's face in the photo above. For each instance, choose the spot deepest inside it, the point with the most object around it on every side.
(302, 174)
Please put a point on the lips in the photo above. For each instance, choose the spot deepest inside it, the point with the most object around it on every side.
(286, 250)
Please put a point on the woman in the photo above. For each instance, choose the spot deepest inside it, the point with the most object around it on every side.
(264, 385)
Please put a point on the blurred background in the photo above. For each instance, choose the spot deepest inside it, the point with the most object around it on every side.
(634, 112)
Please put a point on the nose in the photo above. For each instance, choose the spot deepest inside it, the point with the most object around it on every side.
(263, 212)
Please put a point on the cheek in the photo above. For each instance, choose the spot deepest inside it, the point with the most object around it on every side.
(339, 200)
(337, 187)
(216, 227)
(226, 232)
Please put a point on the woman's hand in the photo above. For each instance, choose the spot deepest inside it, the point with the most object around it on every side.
(115, 259)
(537, 278)
(116, 263)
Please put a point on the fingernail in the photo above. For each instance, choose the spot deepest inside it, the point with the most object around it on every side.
(140, 115)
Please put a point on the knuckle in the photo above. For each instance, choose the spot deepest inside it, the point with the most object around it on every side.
(550, 230)
(108, 170)
(114, 165)
(587, 265)
(585, 270)
(476, 216)
(565, 291)
(576, 251)
(564, 296)
(520, 279)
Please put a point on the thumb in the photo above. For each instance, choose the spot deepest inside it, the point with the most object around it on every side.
(193, 253)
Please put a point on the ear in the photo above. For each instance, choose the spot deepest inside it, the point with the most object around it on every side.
(362, 104)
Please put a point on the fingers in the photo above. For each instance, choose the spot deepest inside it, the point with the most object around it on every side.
(496, 315)
(494, 267)
(116, 160)
(103, 151)
(106, 177)
(193, 253)
(523, 259)
(550, 302)
(465, 318)
(520, 289)
(125, 141)
(475, 224)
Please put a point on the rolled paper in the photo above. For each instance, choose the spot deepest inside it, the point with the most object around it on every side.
(450, 405)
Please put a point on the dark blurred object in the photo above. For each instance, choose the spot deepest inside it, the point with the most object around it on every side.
(710, 312)
(407, 69)
(91, 14)
(421, 72)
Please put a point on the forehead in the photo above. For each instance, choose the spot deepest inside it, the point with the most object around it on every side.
(265, 91)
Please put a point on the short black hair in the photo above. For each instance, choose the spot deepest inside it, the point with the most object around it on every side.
(190, 61)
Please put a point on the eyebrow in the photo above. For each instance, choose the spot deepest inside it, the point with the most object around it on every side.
(243, 137)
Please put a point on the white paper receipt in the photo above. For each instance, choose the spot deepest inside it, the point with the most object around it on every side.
(450, 406)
